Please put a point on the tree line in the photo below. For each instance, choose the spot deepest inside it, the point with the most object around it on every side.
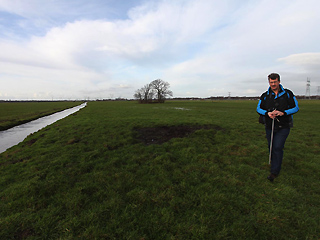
(156, 91)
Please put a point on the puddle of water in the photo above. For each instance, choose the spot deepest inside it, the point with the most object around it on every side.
(15, 135)
(180, 108)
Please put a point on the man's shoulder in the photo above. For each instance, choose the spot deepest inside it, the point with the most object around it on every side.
(288, 91)
(264, 94)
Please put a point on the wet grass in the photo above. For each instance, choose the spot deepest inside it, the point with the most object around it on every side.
(90, 176)
(16, 113)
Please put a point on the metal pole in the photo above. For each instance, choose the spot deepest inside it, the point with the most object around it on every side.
(271, 140)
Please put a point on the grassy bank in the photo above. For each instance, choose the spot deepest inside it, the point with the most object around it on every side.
(16, 113)
(94, 175)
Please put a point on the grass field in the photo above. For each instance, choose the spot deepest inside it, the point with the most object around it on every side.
(92, 175)
(16, 113)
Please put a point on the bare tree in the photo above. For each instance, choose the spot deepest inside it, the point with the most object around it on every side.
(148, 92)
(138, 95)
(158, 88)
(145, 94)
(162, 89)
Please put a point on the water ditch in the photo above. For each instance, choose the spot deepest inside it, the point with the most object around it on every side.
(15, 135)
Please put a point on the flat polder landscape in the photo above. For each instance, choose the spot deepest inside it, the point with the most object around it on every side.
(16, 113)
(177, 170)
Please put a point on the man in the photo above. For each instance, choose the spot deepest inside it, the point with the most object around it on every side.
(277, 104)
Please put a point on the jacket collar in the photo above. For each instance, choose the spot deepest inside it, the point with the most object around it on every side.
(281, 91)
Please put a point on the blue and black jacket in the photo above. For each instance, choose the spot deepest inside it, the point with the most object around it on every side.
(285, 102)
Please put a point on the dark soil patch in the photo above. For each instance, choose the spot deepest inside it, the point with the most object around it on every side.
(24, 234)
(31, 142)
(161, 134)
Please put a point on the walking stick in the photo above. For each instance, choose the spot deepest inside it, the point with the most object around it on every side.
(271, 141)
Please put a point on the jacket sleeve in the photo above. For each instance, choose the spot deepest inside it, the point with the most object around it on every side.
(260, 109)
(292, 104)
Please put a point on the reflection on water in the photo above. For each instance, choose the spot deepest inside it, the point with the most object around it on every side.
(13, 136)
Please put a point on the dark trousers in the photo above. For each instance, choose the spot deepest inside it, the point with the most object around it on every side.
(279, 139)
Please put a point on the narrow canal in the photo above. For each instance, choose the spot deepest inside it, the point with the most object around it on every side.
(15, 135)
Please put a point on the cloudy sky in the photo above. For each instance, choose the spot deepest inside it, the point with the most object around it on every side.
(75, 49)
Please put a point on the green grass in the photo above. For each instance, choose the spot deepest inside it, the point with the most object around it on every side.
(16, 113)
(88, 177)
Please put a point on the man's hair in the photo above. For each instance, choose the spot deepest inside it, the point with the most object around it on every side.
(274, 76)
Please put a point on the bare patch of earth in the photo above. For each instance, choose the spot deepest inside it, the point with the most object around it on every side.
(162, 134)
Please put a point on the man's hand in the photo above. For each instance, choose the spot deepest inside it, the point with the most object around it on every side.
(278, 113)
(275, 113)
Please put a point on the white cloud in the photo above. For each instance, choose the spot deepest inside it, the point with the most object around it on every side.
(307, 60)
(201, 48)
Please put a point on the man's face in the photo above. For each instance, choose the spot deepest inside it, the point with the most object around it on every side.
(274, 84)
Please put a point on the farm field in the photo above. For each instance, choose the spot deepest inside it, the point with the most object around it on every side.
(178, 170)
(16, 113)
